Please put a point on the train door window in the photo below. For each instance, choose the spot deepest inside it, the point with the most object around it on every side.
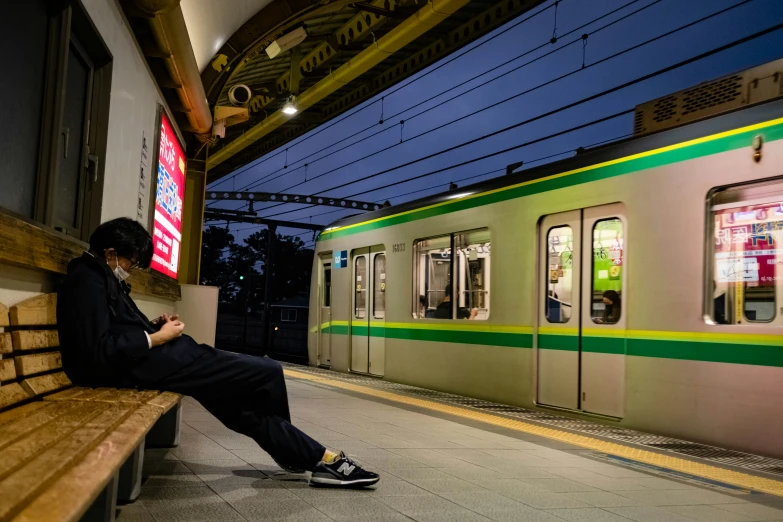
(360, 287)
(747, 227)
(560, 257)
(607, 280)
(379, 287)
(432, 277)
(472, 265)
(327, 285)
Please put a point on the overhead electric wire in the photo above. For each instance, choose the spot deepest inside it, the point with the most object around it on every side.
(266, 179)
(473, 176)
(560, 109)
(413, 80)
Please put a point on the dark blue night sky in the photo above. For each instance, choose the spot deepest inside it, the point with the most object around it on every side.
(660, 17)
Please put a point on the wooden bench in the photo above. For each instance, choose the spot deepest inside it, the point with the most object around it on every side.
(68, 452)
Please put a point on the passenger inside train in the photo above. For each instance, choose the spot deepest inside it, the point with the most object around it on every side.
(443, 310)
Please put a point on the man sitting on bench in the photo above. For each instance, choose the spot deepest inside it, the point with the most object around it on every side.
(106, 341)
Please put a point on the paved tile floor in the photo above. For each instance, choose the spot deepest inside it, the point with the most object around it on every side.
(433, 470)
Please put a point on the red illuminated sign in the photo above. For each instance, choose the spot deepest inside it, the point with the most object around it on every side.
(170, 193)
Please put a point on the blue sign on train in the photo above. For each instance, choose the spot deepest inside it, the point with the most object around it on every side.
(341, 259)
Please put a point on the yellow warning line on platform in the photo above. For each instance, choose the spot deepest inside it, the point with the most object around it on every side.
(736, 478)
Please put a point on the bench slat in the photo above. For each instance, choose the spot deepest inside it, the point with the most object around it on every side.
(41, 309)
(18, 453)
(80, 394)
(35, 339)
(128, 396)
(7, 371)
(12, 393)
(20, 487)
(40, 362)
(13, 431)
(46, 383)
(21, 412)
(4, 318)
(71, 494)
(165, 401)
(66, 395)
(6, 344)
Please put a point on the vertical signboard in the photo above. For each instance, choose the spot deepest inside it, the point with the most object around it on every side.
(169, 196)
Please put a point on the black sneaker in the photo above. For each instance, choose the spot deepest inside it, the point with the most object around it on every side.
(343, 472)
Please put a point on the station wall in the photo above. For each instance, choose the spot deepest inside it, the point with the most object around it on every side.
(132, 117)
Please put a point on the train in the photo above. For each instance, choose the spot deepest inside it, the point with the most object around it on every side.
(634, 283)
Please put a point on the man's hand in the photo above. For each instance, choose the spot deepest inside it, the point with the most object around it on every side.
(165, 317)
(170, 330)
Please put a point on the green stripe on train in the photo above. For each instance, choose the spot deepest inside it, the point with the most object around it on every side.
(718, 145)
(721, 352)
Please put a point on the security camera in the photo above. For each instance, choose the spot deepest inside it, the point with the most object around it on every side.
(286, 42)
(239, 94)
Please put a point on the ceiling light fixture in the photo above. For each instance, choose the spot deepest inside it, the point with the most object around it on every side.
(291, 106)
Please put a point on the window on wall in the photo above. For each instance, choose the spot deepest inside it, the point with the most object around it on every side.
(451, 276)
(747, 230)
(288, 315)
(607, 277)
(360, 287)
(560, 290)
(58, 100)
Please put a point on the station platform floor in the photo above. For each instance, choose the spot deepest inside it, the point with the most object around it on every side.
(439, 462)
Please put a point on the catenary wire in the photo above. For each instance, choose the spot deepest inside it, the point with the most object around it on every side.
(283, 171)
(413, 80)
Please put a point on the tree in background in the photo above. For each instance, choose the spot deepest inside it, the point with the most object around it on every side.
(239, 270)
(291, 274)
(215, 268)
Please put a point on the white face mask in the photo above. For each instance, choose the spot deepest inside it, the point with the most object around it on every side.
(119, 272)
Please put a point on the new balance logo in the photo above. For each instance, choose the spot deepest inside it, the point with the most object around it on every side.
(346, 469)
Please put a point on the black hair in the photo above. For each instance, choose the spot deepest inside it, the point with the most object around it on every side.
(422, 300)
(613, 296)
(447, 290)
(127, 237)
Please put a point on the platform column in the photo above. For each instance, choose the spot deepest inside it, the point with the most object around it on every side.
(192, 223)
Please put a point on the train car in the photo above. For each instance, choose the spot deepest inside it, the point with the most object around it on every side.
(635, 283)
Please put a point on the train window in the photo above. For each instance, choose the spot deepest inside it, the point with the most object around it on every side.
(472, 265)
(560, 266)
(434, 286)
(432, 275)
(360, 287)
(379, 287)
(747, 226)
(327, 285)
(607, 278)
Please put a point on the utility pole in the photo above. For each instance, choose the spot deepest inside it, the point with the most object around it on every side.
(268, 270)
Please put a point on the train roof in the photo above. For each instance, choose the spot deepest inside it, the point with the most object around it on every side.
(744, 117)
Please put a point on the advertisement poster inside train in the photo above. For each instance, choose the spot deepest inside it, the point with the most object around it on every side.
(169, 196)
(747, 240)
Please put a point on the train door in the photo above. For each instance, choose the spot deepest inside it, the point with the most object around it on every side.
(580, 342)
(557, 342)
(325, 311)
(369, 310)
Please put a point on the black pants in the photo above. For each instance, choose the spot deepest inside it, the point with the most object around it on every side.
(248, 395)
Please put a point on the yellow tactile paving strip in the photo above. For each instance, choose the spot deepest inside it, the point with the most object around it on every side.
(736, 478)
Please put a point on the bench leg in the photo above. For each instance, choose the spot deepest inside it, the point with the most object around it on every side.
(165, 432)
(129, 485)
(104, 508)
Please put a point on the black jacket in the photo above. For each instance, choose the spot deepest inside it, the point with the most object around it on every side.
(102, 336)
